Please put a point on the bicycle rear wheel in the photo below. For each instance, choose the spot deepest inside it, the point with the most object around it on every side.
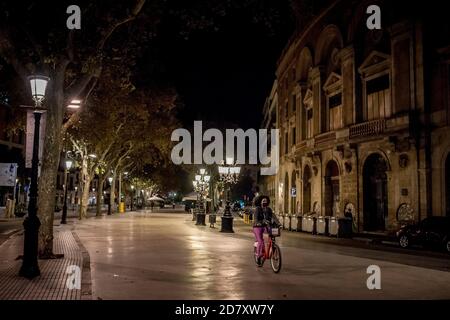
(275, 259)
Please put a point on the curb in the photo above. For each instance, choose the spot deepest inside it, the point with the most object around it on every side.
(86, 282)
(9, 235)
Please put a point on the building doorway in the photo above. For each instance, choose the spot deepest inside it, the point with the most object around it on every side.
(331, 189)
(375, 193)
(307, 190)
(293, 193)
(447, 186)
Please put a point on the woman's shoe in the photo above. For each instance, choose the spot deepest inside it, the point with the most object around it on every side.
(260, 261)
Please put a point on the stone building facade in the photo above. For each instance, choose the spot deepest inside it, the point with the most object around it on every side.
(269, 184)
(364, 116)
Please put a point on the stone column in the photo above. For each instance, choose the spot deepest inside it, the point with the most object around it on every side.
(347, 56)
(402, 68)
(319, 116)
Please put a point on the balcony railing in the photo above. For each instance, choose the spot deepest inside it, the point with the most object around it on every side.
(369, 128)
(325, 137)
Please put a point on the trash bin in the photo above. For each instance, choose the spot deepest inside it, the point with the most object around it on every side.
(304, 227)
(212, 220)
(282, 220)
(299, 218)
(322, 225)
(294, 224)
(309, 224)
(286, 219)
(333, 226)
(345, 227)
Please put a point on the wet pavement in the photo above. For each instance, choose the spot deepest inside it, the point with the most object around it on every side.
(165, 256)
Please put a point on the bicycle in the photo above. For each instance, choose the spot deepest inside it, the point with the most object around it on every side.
(271, 251)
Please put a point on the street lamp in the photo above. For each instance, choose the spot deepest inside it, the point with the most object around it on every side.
(68, 166)
(201, 187)
(229, 174)
(132, 197)
(110, 179)
(74, 104)
(30, 267)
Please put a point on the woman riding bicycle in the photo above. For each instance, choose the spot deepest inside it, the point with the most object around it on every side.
(263, 218)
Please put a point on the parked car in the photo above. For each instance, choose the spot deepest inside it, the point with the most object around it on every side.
(430, 232)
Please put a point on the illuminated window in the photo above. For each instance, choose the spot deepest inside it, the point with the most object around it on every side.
(375, 73)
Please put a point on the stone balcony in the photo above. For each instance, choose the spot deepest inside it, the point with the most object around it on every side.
(358, 132)
(369, 128)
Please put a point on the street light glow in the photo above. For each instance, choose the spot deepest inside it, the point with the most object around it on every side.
(202, 171)
(69, 164)
(38, 87)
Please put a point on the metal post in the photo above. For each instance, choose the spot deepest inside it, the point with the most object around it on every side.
(14, 192)
(227, 218)
(120, 190)
(30, 267)
(18, 194)
(64, 211)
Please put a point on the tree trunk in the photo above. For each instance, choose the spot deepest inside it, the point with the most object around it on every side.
(49, 169)
(101, 179)
(120, 189)
(85, 198)
(112, 193)
(85, 184)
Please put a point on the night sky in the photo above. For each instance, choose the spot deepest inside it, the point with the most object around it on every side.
(223, 77)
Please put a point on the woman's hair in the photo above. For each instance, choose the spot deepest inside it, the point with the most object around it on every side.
(259, 199)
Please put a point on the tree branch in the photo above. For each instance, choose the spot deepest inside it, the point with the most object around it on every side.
(7, 50)
(107, 34)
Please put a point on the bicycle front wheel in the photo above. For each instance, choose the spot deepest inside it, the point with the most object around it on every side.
(275, 259)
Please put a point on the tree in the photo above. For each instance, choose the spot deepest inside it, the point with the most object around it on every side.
(73, 67)
(127, 127)
(74, 59)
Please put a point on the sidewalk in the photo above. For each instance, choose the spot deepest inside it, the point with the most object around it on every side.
(51, 284)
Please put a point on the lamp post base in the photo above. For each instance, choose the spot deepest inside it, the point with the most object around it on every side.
(201, 217)
(227, 224)
(30, 267)
(64, 215)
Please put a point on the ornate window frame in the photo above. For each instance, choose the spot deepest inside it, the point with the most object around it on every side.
(376, 65)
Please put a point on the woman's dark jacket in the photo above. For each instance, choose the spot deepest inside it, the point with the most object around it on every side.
(262, 215)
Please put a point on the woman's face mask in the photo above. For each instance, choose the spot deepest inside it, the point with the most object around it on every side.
(264, 203)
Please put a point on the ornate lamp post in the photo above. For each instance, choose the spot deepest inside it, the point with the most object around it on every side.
(229, 174)
(201, 186)
(110, 179)
(30, 267)
(68, 166)
(132, 198)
